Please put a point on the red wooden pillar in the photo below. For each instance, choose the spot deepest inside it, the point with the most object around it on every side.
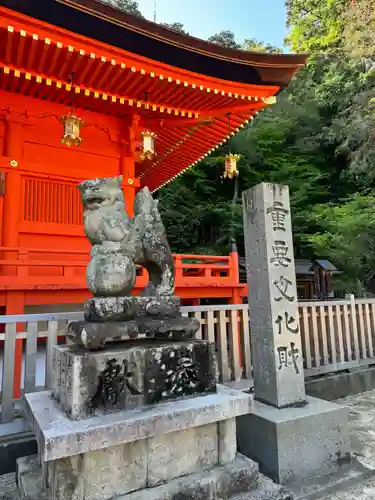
(127, 170)
(235, 275)
(13, 149)
(127, 162)
(13, 187)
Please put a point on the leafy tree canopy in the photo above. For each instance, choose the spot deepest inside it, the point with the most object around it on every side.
(225, 39)
(129, 6)
(253, 45)
(348, 235)
(179, 27)
(315, 25)
(359, 29)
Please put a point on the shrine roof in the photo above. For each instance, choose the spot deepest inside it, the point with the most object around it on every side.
(192, 84)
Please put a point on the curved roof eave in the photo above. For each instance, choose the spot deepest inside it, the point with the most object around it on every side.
(97, 20)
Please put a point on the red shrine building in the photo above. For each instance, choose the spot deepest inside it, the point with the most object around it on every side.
(88, 91)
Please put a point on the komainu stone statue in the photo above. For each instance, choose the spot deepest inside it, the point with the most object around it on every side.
(119, 245)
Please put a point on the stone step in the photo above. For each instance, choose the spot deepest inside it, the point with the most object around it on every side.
(219, 483)
(29, 479)
(266, 490)
(241, 477)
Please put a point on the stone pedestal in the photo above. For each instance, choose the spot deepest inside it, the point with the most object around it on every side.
(130, 375)
(140, 420)
(293, 444)
(141, 453)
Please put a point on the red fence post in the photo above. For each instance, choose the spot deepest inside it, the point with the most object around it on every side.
(236, 292)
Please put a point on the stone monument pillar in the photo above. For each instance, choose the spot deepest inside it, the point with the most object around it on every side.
(135, 412)
(273, 305)
(291, 436)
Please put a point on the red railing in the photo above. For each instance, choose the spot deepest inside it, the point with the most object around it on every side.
(22, 268)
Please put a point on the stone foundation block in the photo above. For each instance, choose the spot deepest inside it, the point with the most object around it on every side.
(183, 452)
(131, 375)
(105, 456)
(101, 474)
(223, 482)
(58, 436)
(292, 444)
(185, 449)
(117, 470)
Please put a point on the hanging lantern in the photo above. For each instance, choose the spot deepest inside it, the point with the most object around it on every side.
(148, 145)
(72, 126)
(269, 101)
(231, 166)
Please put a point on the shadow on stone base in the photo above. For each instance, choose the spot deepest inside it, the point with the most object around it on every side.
(12, 449)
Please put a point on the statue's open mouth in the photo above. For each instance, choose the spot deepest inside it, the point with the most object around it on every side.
(94, 200)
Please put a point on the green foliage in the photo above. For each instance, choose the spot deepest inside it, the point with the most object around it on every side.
(359, 30)
(315, 25)
(129, 6)
(179, 27)
(255, 46)
(225, 39)
(347, 236)
(308, 140)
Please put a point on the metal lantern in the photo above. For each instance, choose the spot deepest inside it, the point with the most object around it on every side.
(148, 145)
(231, 166)
(72, 126)
(269, 101)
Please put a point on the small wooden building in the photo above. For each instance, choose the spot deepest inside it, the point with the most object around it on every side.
(314, 278)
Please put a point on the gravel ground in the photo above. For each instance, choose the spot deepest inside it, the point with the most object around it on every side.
(362, 434)
(8, 490)
(362, 431)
